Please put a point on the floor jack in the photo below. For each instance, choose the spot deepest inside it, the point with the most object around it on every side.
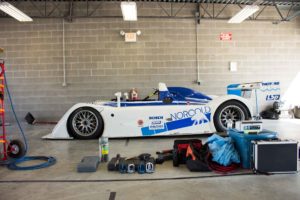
(10, 148)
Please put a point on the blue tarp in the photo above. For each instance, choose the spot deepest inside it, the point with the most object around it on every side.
(222, 150)
(242, 143)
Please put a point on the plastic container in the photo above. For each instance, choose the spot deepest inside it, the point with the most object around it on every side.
(242, 143)
(133, 94)
(104, 146)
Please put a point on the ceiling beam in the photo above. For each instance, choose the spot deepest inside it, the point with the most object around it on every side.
(294, 15)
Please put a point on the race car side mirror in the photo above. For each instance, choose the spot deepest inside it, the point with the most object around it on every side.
(167, 100)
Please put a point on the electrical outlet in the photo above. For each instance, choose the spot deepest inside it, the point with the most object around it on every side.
(198, 82)
(233, 66)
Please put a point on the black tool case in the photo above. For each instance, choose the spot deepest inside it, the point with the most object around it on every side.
(275, 156)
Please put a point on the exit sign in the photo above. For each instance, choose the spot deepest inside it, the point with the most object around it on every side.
(226, 36)
(130, 37)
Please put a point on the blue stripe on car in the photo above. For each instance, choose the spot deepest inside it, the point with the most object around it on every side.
(169, 126)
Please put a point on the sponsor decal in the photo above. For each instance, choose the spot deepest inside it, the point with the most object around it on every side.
(181, 119)
(198, 114)
(270, 86)
(270, 83)
(156, 122)
(156, 117)
(140, 122)
(272, 90)
(273, 97)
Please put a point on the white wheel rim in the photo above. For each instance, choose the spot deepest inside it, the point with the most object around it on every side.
(85, 123)
(230, 113)
(15, 149)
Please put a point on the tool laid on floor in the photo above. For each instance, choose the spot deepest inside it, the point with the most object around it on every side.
(30, 119)
(14, 151)
(144, 163)
(163, 156)
(113, 164)
(88, 164)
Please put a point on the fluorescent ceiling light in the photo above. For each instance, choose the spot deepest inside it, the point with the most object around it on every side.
(246, 12)
(14, 12)
(129, 11)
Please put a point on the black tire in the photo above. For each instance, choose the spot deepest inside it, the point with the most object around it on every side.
(85, 123)
(242, 113)
(16, 149)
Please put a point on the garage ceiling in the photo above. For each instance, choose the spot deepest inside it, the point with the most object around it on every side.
(209, 9)
(243, 2)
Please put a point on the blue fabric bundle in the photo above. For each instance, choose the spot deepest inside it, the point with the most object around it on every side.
(222, 150)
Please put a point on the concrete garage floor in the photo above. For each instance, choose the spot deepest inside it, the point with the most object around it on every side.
(22, 185)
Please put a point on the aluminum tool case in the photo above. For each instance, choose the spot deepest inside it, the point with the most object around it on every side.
(275, 156)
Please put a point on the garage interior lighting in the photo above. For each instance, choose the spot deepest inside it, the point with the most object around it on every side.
(246, 12)
(129, 11)
(14, 12)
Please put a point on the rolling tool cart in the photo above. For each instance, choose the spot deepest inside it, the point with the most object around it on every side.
(10, 148)
(14, 151)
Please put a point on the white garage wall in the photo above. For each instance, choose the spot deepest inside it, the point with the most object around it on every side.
(99, 62)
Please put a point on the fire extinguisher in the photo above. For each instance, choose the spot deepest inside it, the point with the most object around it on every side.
(133, 94)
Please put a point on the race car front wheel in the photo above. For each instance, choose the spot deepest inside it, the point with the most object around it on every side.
(85, 123)
(230, 111)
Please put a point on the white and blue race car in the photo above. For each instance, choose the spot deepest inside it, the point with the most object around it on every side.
(176, 111)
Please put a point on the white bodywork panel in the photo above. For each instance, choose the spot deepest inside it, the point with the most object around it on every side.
(262, 95)
(143, 121)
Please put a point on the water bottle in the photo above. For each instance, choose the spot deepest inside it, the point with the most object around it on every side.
(100, 148)
(104, 149)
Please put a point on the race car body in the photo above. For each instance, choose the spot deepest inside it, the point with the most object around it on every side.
(176, 111)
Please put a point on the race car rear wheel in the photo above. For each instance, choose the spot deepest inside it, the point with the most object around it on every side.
(230, 110)
(85, 123)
